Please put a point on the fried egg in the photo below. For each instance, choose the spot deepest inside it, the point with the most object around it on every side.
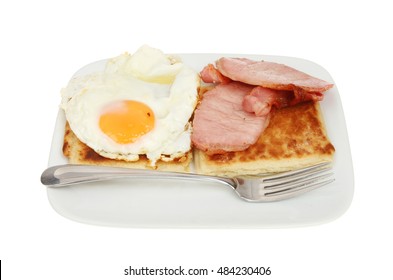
(139, 104)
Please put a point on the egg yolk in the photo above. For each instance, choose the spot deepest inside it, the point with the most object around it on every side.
(125, 121)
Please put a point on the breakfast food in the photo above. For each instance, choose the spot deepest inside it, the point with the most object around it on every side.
(79, 153)
(295, 138)
(220, 124)
(270, 75)
(138, 107)
(148, 110)
(267, 119)
(275, 84)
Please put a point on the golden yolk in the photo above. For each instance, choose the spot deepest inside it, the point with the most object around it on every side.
(125, 121)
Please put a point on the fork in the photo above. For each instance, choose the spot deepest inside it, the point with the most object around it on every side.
(267, 188)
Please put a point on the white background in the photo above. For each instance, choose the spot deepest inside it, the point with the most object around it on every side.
(44, 42)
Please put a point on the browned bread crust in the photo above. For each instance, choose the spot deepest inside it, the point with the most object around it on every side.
(79, 153)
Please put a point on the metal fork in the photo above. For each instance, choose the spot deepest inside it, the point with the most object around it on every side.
(267, 188)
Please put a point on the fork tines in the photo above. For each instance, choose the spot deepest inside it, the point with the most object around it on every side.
(294, 181)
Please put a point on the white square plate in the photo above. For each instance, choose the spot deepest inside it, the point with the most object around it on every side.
(185, 204)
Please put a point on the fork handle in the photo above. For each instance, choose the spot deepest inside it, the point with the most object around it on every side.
(70, 174)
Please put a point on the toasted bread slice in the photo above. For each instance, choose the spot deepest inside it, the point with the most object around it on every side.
(79, 153)
(295, 138)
